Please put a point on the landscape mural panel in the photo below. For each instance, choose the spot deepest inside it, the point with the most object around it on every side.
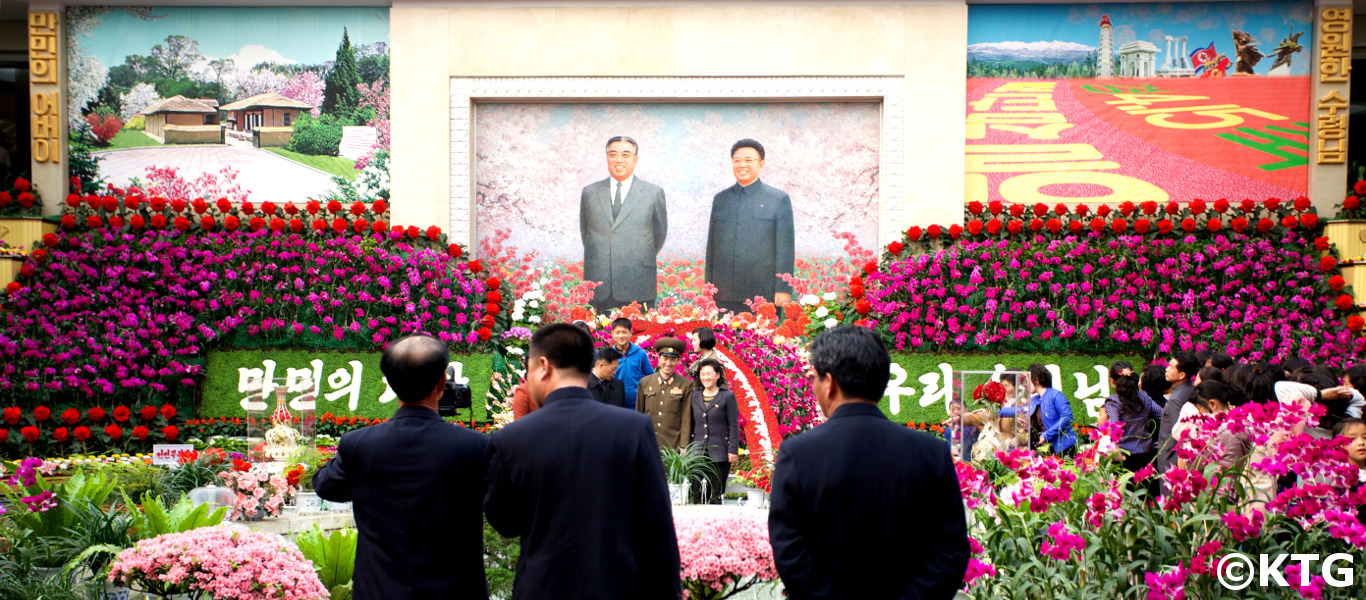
(271, 104)
(1113, 102)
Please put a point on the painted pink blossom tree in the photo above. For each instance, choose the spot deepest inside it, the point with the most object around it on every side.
(305, 87)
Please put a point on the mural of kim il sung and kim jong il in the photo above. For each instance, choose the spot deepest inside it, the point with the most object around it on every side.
(683, 202)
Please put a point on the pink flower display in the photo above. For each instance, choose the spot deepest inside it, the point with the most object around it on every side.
(1062, 543)
(722, 551)
(256, 493)
(226, 562)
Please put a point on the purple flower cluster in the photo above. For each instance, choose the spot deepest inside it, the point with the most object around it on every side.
(1253, 297)
(126, 316)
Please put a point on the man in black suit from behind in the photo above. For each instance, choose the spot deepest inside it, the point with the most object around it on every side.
(415, 483)
(605, 387)
(863, 508)
(583, 485)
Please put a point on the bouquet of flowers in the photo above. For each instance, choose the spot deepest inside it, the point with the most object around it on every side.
(723, 553)
(759, 477)
(225, 562)
(258, 494)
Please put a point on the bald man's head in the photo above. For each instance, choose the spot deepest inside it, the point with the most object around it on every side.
(414, 366)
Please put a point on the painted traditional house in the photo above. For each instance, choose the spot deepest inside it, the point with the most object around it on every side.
(182, 115)
(263, 110)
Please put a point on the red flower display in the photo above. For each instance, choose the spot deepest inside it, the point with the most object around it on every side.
(1197, 206)
(1352, 202)
(30, 433)
(996, 207)
(433, 233)
(1142, 226)
(121, 413)
(975, 207)
(42, 413)
(955, 231)
(1336, 283)
(334, 207)
(1214, 224)
(61, 434)
(170, 432)
(113, 431)
(1119, 225)
(1290, 222)
(1014, 226)
(168, 411)
(147, 413)
(13, 414)
(1221, 206)
(914, 233)
(454, 250)
(991, 391)
(82, 433)
(1344, 302)
(1355, 323)
(1017, 210)
(993, 227)
(71, 416)
(140, 432)
(95, 414)
(896, 247)
(974, 227)
(1328, 263)
(1309, 220)
(934, 231)
(1188, 224)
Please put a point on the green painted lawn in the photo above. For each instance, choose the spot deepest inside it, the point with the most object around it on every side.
(335, 165)
(131, 138)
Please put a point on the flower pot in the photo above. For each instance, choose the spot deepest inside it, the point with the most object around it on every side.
(1349, 236)
(331, 506)
(678, 493)
(113, 592)
(308, 502)
(755, 497)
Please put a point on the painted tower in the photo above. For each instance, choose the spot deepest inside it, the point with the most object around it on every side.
(1105, 53)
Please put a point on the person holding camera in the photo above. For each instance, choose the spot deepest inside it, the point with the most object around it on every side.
(417, 487)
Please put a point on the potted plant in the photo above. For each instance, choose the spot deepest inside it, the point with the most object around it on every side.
(759, 480)
(333, 555)
(258, 493)
(681, 467)
(303, 464)
(21, 214)
(1347, 228)
(209, 563)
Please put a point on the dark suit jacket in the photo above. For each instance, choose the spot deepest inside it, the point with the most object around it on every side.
(415, 483)
(749, 242)
(1171, 413)
(621, 252)
(863, 508)
(611, 392)
(582, 484)
(718, 429)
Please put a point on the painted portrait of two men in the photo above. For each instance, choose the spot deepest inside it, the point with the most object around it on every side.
(624, 222)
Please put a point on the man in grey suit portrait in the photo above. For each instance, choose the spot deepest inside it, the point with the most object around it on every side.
(749, 240)
(623, 222)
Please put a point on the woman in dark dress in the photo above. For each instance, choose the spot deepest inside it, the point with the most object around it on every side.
(716, 428)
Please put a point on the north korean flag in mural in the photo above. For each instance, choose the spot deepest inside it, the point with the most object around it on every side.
(1209, 63)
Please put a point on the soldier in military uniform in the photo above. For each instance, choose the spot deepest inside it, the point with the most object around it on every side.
(665, 396)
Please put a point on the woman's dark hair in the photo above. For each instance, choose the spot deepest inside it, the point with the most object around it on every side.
(1261, 382)
(1222, 361)
(1154, 383)
(1130, 404)
(1211, 374)
(1236, 377)
(1038, 375)
(1322, 380)
(1295, 363)
(1356, 375)
(1203, 357)
(710, 362)
(1118, 368)
(706, 338)
(1210, 390)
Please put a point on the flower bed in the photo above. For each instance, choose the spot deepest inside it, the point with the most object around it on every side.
(1247, 280)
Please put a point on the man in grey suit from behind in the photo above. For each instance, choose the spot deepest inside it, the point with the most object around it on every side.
(623, 222)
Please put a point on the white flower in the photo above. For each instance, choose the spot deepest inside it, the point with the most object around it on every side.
(533, 319)
(517, 315)
(534, 304)
(822, 312)
(810, 300)
(828, 295)
(516, 351)
(831, 323)
(519, 304)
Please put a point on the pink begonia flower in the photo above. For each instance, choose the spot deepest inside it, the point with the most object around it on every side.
(226, 562)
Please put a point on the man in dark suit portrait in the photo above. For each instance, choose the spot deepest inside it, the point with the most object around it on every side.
(623, 222)
(605, 387)
(582, 484)
(861, 507)
(749, 240)
(416, 483)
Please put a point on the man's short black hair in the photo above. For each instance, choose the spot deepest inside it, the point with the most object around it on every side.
(706, 338)
(1295, 363)
(1356, 375)
(607, 353)
(1203, 357)
(623, 322)
(1221, 361)
(565, 346)
(623, 138)
(585, 327)
(414, 365)
(1187, 363)
(1039, 375)
(748, 143)
(857, 360)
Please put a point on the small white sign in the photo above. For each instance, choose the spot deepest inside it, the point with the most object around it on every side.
(168, 454)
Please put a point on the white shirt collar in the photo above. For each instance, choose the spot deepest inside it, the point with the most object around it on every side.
(625, 187)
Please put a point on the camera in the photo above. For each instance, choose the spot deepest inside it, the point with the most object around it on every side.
(455, 397)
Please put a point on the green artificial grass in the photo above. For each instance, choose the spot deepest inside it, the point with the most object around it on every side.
(129, 138)
(916, 366)
(335, 165)
(224, 372)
